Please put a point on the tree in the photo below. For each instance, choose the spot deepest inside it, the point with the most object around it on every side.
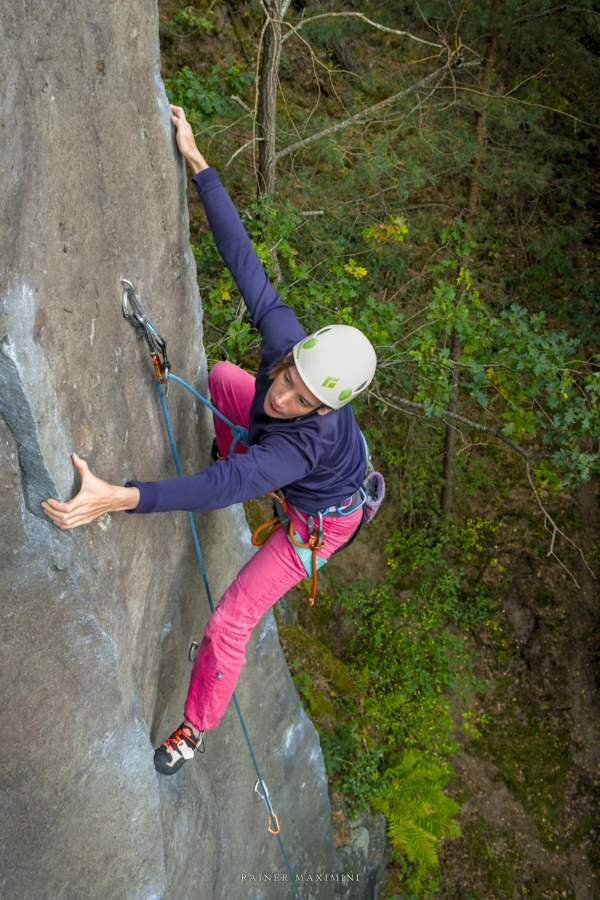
(275, 10)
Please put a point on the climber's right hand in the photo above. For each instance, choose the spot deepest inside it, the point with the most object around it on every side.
(95, 498)
(186, 140)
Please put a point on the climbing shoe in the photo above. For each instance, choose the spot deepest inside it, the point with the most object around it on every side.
(172, 753)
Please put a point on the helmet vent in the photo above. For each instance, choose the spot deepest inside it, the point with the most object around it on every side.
(323, 330)
(363, 385)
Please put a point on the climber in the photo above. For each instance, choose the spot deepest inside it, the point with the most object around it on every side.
(303, 439)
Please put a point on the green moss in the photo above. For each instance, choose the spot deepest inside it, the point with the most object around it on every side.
(316, 657)
(322, 612)
(544, 595)
(533, 759)
(499, 858)
(258, 511)
(495, 867)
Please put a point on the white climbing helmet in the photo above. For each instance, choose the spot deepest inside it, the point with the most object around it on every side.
(335, 363)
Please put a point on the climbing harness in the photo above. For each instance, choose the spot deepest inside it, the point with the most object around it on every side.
(134, 313)
(369, 497)
(308, 551)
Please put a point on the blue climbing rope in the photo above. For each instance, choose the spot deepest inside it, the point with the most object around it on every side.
(238, 436)
(134, 313)
(238, 431)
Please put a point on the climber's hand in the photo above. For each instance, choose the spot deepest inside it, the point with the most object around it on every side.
(186, 141)
(95, 498)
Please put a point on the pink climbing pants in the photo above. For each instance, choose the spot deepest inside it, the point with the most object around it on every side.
(272, 571)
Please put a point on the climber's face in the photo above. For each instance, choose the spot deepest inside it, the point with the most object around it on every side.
(288, 397)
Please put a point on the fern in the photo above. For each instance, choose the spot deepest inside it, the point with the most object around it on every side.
(418, 812)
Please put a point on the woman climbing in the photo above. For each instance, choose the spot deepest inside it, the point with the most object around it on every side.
(303, 439)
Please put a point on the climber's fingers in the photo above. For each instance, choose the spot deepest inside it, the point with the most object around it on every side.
(95, 498)
(185, 135)
(81, 466)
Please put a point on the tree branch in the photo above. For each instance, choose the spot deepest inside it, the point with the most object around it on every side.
(249, 143)
(372, 111)
(551, 12)
(560, 112)
(407, 405)
(554, 530)
(294, 29)
(549, 523)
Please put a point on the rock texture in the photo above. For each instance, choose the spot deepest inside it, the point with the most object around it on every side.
(95, 623)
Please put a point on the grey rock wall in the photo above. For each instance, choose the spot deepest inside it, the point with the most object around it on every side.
(95, 623)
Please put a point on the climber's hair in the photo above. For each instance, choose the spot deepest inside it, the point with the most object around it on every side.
(286, 363)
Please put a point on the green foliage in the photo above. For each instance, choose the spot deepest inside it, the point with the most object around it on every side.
(203, 97)
(527, 377)
(188, 18)
(402, 644)
(386, 739)
(199, 95)
(419, 813)
(353, 765)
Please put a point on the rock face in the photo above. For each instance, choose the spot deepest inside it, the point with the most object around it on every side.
(96, 622)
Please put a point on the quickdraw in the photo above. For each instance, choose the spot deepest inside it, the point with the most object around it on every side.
(314, 543)
(134, 313)
(273, 820)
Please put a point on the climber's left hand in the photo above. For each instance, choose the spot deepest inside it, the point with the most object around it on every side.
(95, 498)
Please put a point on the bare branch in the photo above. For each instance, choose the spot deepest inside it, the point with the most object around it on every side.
(256, 91)
(408, 405)
(249, 143)
(560, 112)
(553, 530)
(529, 78)
(294, 29)
(245, 106)
(551, 12)
(371, 111)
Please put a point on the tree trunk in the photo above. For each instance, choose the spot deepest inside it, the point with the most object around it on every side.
(344, 55)
(450, 435)
(231, 12)
(456, 343)
(267, 96)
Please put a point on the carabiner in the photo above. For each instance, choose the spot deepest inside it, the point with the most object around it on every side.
(272, 815)
(156, 343)
(129, 296)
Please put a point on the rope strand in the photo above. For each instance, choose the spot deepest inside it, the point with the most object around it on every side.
(237, 436)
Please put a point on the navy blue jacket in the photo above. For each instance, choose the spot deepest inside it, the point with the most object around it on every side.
(317, 460)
